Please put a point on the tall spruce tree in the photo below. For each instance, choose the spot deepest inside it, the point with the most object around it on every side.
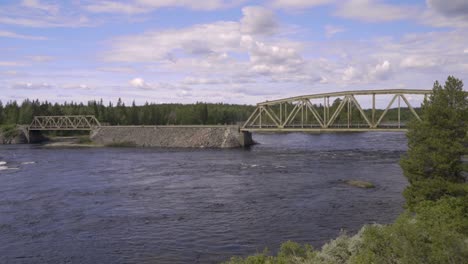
(1, 112)
(433, 162)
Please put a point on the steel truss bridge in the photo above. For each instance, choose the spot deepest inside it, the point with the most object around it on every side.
(67, 122)
(300, 114)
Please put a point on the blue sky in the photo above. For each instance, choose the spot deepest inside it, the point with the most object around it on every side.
(236, 51)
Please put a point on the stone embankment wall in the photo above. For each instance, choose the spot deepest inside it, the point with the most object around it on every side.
(172, 136)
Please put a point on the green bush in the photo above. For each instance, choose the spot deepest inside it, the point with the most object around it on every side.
(289, 253)
(435, 233)
(432, 190)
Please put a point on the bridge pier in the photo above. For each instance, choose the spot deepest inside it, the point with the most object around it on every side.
(245, 138)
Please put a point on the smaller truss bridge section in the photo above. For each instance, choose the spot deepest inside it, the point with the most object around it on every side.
(67, 122)
(350, 111)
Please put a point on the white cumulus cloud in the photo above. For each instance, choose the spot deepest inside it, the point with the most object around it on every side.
(374, 11)
(138, 83)
(258, 20)
(297, 4)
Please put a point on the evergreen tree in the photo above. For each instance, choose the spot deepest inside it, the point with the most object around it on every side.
(134, 118)
(25, 113)
(436, 144)
(11, 113)
(1, 112)
(204, 114)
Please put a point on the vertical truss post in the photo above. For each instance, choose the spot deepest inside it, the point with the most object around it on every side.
(349, 112)
(373, 110)
(281, 113)
(399, 117)
(285, 111)
(304, 102)
(302, 114)
(325, 110)
(261, 110)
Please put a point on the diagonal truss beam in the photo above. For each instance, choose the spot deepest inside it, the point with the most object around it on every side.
(410, 107)
(338, 111)
(358, 106)
(315, 113)
(386, 110)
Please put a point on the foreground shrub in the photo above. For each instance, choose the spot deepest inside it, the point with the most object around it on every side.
(433, 190)
(437, 233)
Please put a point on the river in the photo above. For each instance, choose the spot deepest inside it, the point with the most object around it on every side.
(146, 205)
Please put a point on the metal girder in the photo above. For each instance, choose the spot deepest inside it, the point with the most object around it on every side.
(345, 93)
(325, 119)
(71, 122)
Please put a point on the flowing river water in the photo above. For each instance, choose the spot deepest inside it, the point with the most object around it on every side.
(149, 205)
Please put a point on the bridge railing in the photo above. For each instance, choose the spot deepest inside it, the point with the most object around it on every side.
(300, 113)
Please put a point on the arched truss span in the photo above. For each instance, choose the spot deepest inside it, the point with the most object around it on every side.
(300, 114)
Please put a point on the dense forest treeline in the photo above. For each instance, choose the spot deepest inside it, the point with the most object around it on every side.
(120, 114)
(166, 114)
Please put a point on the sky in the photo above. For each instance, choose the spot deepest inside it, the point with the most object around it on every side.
(225, 51)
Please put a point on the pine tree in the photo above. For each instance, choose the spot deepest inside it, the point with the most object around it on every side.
(25, 113)
(436, 144)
